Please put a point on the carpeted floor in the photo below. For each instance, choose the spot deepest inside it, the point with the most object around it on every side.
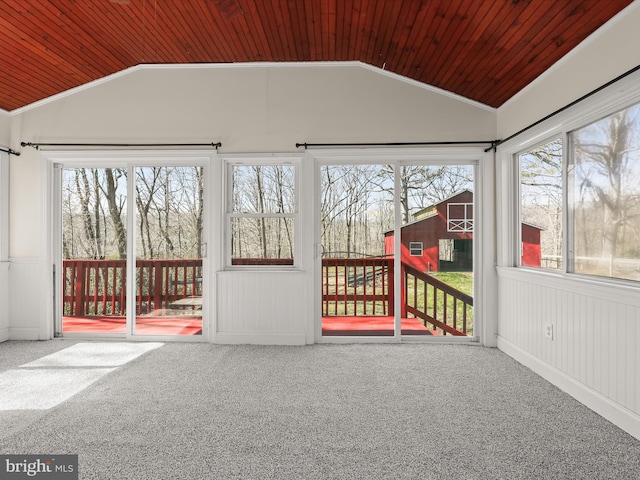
(202, 411)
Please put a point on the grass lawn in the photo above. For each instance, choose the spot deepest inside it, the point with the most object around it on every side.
(462, 281)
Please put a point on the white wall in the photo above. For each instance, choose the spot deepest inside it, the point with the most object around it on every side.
(250, 109)
(5, 129)
(593, 354)
(4, 239)
(4, 301)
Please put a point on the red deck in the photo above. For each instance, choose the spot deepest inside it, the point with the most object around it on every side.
(190, 325)
(151, 325)
(371, 326)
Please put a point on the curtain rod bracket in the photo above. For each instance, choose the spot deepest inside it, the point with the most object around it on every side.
(567, 106)
(494, 146)
(10, 151)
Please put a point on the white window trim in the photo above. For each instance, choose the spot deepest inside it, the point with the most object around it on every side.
(518, 196)
(4, 206)
(614, 98)
(229, 162)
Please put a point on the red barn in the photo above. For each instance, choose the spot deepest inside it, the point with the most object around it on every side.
(440, 238)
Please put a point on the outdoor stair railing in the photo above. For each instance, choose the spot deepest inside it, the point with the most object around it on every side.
(97, 287)
(436, 303)
(364, 287)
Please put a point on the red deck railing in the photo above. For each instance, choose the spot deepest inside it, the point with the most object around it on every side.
(357, 286)
(97, 287)
(350, 287)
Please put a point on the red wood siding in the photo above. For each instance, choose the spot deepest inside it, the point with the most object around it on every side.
(432, 229)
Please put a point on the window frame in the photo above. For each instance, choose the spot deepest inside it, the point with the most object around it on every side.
(4, 206)
(231, 161)
(607, 101)
(414, 248)
(563, 210)
(570, 192)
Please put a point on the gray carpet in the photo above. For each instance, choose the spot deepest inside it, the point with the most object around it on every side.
(201, 411)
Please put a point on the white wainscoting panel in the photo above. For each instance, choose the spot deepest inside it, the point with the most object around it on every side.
(595, 343)
(4, 301)
(264, 307)
(25, 294)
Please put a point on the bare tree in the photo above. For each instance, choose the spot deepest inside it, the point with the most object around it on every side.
(605, 178)
(541, 196)
(116, 205)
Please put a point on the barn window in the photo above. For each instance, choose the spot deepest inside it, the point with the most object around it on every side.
(415, 249)
(261, 213)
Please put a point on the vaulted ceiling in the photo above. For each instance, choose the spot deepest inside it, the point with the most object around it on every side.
(485, 50)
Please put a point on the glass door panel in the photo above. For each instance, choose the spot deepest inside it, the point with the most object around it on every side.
(169, 250)
(94, 250)
(437, 249)
(357, 269)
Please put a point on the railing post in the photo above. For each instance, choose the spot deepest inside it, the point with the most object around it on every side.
(157, 285)
(390, 286)
(403, 291)
(79, 289)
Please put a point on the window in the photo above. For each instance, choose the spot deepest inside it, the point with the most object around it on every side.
(541, 206)
(415, 249)
(262, 210)
(598, 191)
(604, 196)
(460, 217)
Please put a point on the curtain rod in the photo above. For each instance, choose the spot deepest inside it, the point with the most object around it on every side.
(37, 145)
(567, 106)
(9, 151)
(395, 144)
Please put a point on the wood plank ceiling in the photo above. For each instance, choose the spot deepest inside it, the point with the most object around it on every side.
(485, 50)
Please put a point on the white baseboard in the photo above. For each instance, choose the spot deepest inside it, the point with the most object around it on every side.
(607, 408)
(260, 338)
(4, 334)
(24, 333)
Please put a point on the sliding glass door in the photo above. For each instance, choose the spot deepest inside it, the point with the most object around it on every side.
(94, 250)
(436, 249)
(375, 286)
(357, 271)
(132, 248)
(169, 247)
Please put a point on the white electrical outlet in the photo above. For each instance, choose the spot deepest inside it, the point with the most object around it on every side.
(548, 331)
